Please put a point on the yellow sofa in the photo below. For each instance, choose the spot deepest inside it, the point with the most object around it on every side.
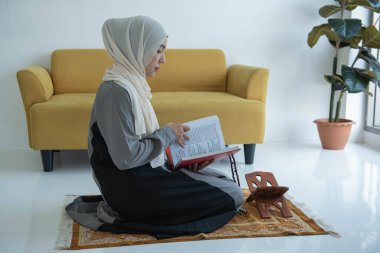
(193, 83)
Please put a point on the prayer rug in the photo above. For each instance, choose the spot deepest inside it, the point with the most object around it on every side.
(241, 226)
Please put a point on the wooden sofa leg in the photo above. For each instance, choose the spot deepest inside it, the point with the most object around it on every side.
(249, 153)
(47, 159)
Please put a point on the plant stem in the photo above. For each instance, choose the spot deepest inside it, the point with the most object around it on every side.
(343, 7)
(335, 64)
(338, 104)
(357, 57)
(332, 92)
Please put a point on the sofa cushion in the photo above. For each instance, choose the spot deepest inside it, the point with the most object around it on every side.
(235, 113)
(61, 122)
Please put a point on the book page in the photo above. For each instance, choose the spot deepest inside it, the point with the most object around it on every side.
(205, 136)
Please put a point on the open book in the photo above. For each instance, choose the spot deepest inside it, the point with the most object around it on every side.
(206, 143)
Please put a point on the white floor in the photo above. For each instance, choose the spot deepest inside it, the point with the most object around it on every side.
(340, 187)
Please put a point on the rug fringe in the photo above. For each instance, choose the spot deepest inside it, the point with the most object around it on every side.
(328, 228)
(334, 234)
(65, 229)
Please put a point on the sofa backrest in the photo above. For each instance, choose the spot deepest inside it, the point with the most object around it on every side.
(81, 70)
(191, 70)
(78, 70)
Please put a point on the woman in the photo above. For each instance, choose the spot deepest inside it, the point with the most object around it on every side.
(126, 150)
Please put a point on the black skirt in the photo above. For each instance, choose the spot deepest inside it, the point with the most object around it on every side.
(155, 201)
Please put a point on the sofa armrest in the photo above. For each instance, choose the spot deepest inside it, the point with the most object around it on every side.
(248, 82)
(35, 85)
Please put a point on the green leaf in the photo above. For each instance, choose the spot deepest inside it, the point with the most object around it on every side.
(337, 78)
(354, 81)
(341, 44)
(328, 78)
(371, 37)
(355, 41)
(341, 2)
(373, 63)
(346, 28)
(367, 74)
(351, 5)
(374, 3)
(318, 31)
(365, 4)
(336, 81)
(366, 52)
(362, 3)
(328, 10)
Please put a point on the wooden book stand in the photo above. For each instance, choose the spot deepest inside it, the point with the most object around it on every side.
(266, 192)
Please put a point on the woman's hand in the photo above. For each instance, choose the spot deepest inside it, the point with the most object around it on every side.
(199, 166)
(180, 132)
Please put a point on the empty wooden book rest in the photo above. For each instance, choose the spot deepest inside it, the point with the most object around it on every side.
(266, 192)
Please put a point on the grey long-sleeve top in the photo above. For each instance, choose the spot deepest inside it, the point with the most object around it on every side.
(112, 119)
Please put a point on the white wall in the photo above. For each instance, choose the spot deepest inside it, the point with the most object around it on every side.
(268, 33)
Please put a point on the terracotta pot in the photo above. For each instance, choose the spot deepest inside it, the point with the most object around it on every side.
(334, 135)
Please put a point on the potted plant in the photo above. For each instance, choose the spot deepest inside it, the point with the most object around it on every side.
(346, 32)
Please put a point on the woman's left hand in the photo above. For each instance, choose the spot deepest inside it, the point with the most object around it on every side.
(199, 166)
(180, 132)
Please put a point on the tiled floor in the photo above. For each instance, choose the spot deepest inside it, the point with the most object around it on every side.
(340, 187)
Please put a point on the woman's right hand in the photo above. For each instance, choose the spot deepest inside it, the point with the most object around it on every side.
(180, 132)
(199, 166)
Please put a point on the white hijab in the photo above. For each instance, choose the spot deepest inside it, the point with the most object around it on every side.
(132, 43)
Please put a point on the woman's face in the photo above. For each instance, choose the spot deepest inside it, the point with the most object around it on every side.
(159, 58)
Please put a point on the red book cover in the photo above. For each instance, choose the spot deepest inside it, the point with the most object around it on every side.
(203, 157)
(169, 156)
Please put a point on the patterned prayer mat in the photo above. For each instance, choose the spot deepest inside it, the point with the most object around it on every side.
(241, 226)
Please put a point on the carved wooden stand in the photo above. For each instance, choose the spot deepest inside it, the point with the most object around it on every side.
(266, 192)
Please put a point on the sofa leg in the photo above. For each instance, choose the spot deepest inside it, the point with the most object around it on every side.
(47, 159)
(249, 153)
